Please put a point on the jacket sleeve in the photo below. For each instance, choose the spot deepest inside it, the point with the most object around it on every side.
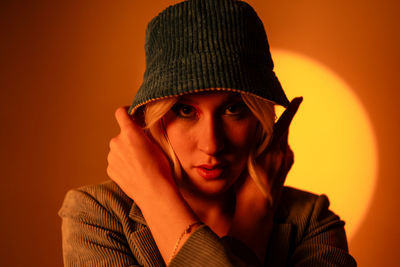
(323, 242)
(205, 248)
(91, 234)
(316, 237)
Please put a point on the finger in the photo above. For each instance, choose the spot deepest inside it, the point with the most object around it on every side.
(283, 142)
(124, 120)
(278, 183)
(281, 127)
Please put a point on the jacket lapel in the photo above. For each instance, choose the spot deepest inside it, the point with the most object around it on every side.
(278, 246)
(279, 243)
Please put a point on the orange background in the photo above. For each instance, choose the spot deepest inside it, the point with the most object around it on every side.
(66, 66)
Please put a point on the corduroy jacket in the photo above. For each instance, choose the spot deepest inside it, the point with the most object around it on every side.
(101, 226)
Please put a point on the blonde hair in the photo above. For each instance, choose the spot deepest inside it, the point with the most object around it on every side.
(262, 109)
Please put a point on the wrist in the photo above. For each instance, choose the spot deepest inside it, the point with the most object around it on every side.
(168, 217)
(159, 189)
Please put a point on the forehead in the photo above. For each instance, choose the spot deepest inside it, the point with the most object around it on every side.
(210, 97)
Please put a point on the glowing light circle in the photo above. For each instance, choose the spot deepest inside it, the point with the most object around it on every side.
(331, 136)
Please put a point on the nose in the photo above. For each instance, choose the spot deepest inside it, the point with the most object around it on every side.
(211, 134)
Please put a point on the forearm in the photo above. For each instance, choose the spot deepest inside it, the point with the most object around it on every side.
(168, 217)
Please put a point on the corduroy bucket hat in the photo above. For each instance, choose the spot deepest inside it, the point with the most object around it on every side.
(207, 45)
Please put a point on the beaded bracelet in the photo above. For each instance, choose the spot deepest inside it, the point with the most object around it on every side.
(188, 230)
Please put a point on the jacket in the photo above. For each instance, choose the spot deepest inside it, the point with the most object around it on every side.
(101, 226)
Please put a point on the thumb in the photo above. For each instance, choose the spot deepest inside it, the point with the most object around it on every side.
(124, 121)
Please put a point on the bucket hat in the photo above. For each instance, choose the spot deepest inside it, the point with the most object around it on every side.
(207, 45)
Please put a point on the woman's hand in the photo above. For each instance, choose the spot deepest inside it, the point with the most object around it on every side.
(136, 163)
(254, 211)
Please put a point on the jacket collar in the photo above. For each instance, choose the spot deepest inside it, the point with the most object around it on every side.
(279, 245)
(136, 214)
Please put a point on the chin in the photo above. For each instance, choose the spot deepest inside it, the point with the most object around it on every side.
(212, 191)
(208, 188)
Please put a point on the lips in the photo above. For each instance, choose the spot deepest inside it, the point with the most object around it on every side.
(210, 172)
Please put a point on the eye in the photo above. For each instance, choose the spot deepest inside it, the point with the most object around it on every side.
(184, 111)
(235, 109)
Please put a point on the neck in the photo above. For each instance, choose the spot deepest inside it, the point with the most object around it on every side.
(215, 211)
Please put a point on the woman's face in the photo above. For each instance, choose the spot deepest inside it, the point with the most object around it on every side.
(211, 134)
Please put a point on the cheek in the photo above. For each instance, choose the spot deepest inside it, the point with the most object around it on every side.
(241, 136)
(179, 139)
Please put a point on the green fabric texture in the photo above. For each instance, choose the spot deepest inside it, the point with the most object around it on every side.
(200, 45)
(102, 226)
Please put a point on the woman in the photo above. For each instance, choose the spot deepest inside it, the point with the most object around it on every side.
(198, 169)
